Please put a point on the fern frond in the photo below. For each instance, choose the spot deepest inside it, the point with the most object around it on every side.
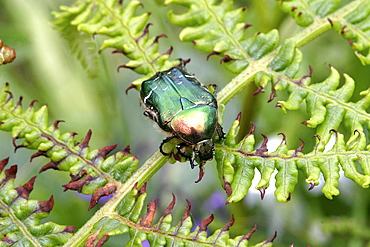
(127, 32)
(213, 31)
(328, 108)
(128, 219)
(305, 12)
(352, 21)
(218, 29)
(354, 27)
(237, 163)
(80, 43)
(327, 105)
(20, 217)
(92, 171)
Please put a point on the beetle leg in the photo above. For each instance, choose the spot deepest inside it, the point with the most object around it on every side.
(147, 114)
(151, 114)
(192, 165)
(212, 88)
(164, 142)
(186, 154)
(220, 132)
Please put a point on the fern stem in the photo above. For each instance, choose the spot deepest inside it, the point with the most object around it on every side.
(147, 170)
(318, 27)
(189, 240)
(240, 81)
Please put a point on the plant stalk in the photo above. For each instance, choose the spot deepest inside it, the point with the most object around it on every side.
(145, 172)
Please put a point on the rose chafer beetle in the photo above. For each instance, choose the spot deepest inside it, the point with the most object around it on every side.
(184, 108)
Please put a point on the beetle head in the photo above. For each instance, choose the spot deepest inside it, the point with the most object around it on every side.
(204, 150)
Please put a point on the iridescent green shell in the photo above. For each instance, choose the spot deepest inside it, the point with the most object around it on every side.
(184, 107)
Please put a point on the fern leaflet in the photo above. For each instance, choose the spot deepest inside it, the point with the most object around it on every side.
(259, 59)
(20, 217)
(351, 21)
(91, 170)
(128, 219)
(327, 107)
(127, 33)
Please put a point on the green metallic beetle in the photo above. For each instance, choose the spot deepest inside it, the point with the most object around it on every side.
(186, 109)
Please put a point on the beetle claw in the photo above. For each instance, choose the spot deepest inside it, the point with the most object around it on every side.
(192, 165)
(184, 153)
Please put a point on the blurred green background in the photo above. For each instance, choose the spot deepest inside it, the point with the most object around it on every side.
(46, 70)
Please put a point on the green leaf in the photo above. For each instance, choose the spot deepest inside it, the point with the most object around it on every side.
(80, 43)
(218, 29)
(20, 217)
(327, 104)
(304, 12)
(354, 28)
(163, 232)
(90, 169)
(238, 171)
(126, 32)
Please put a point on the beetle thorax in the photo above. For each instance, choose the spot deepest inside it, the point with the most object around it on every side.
(195, 124)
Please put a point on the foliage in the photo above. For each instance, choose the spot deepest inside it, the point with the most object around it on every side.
(20, 217)
(337, 115)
